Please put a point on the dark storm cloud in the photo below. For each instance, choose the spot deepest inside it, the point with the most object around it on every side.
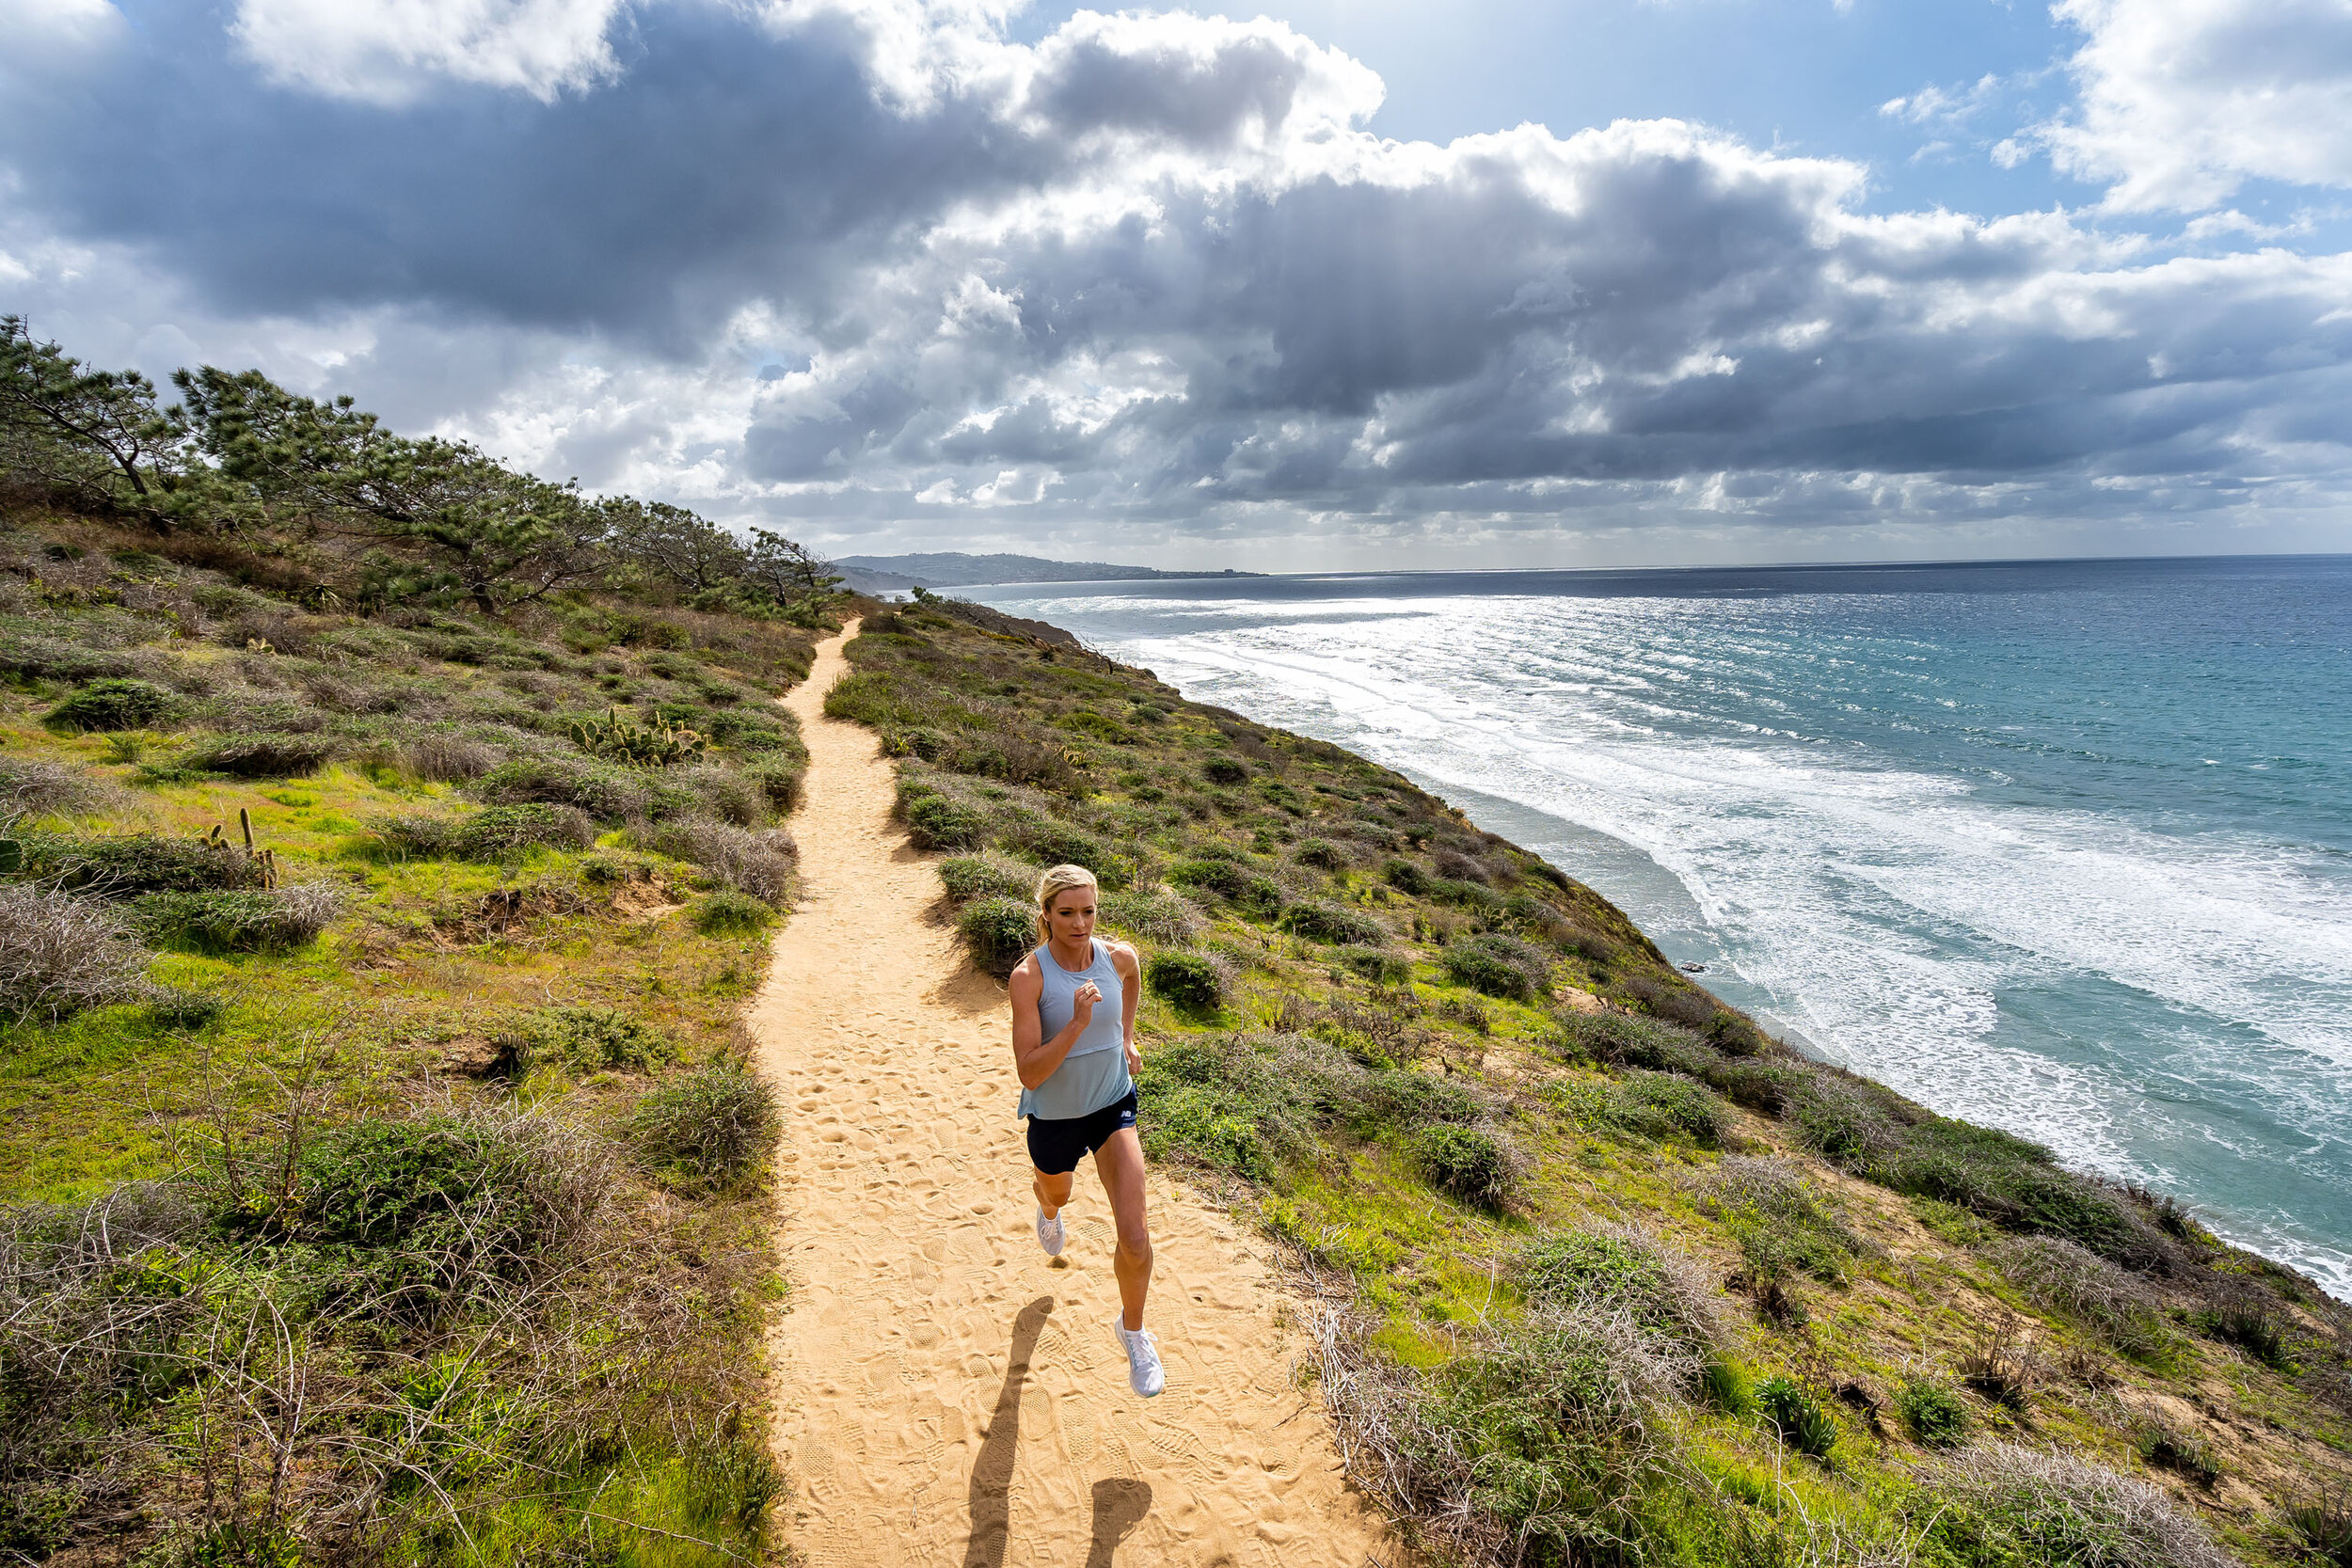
(1152, 267)
(727, 164)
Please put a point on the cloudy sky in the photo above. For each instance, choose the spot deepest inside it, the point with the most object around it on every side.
(1353, 283)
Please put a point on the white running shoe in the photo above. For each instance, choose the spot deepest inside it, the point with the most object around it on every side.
(1144, 1375)
(1049, 1234)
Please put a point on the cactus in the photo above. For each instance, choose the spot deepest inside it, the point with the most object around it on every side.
(660, 744)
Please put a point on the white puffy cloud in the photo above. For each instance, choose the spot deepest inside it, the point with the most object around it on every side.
(2182, 100)
(392, 51)
(1942, 106)
(883, 273)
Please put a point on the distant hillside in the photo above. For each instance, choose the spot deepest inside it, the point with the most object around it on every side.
(876, 573)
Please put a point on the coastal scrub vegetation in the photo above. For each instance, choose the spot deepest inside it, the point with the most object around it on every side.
(1600, 1271)
(386, 838)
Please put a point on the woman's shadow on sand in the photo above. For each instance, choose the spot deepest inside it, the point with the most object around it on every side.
(1119, 1505)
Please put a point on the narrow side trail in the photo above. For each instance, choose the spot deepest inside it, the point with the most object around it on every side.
(944, 1392)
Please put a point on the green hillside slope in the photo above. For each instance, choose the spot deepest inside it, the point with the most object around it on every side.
(1607, 1274)
(386, 840)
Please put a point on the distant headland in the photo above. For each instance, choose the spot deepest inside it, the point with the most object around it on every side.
(879, 574)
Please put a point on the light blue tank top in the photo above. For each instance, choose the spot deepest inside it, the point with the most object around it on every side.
(1094, 1074)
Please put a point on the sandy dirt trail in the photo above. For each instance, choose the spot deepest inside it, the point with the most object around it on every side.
(944, 1392)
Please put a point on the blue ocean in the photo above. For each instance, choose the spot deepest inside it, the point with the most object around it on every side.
(2064, 848)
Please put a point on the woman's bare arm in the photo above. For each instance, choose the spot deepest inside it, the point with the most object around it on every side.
(1130, 969)
(1035, 1057)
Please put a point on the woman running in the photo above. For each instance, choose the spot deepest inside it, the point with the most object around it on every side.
(1073, 1041)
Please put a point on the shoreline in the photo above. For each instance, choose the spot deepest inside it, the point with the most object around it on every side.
(2327, 1266)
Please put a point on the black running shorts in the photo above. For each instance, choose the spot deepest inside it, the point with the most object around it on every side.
(1055, 1147)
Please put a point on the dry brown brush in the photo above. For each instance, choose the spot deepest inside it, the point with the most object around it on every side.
(380, 1332)
(60, 954)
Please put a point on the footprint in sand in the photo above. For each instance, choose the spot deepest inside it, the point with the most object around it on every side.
(998, 1426)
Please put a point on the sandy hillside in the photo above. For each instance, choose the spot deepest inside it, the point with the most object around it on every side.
(945, 1393)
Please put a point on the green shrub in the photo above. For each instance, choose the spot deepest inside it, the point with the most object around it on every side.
(1408, 878)
(970, 877)
(1485, 904)
(1318, 921)
(1191, 982)
(1625, 1040)
(1157, 916)
(780, 779)
(2250, 1323)
(1262, 897)
(1051, 842)
(2059, 1277)
(2001, 1506)
(1873, 1133)
(999, 932)
(1933, 1413)
(606, 794)
(1322, 853)
(1624, 1270)
(2324, 1524)
(1540, 1443)
(1224, 771)
(1496, 965)
(45, 657)
(496, 832)
(1231, 881)
(708, 1130)
(2164, 1448)
(1664, 1105)
(1400, 1097)
(1242, 1104)
(1469, 1164)
(1782, 1228)
(592, 1040)
(2011, 1182)
(413, 1216)
(1224, 877)
(492, 833)
(939, 822)
(607, 871)
(260, 755)
(128, 864)
(1376, 964)
(1483, 973)
(727, 911)
(249, 921)
(1797, 1416)
(1675, 1000)
(114, 703)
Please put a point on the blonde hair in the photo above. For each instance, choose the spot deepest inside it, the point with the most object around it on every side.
(1061, 879)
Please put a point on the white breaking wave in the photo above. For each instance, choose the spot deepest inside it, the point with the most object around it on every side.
(1883, 911)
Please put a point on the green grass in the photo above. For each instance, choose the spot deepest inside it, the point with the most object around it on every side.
(310, 1089)
(1385, 1001)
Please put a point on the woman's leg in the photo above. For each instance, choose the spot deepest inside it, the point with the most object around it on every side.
(1051, 1191)
(1119, 1163)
